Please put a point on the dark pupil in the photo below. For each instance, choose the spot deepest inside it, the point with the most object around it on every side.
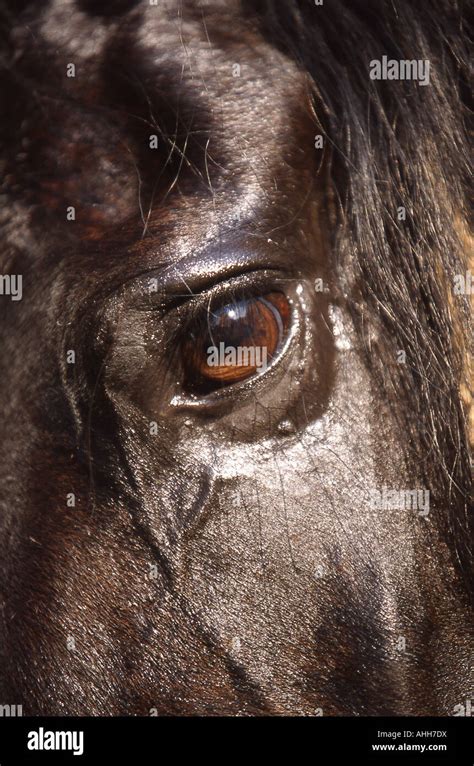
(240, 323)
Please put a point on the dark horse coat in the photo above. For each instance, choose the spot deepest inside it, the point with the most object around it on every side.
(294, 538)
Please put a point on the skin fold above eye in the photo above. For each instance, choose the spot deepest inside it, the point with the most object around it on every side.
(235, 341)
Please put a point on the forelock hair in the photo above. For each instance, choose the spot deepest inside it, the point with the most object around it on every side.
(398, 144)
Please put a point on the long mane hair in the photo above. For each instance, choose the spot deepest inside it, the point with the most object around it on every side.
(400, 144)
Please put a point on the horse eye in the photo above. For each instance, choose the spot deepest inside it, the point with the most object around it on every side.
(235, 342)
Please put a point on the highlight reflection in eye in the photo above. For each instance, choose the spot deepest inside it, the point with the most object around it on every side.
(234, 342)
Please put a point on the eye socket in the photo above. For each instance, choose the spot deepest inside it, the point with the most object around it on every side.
(235, 341)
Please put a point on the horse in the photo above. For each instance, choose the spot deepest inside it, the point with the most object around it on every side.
(284, 528)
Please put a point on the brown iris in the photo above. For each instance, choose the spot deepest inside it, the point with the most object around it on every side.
(235, 341)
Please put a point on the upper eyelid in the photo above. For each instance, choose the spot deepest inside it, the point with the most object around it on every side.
(213, 263)
(219, 293)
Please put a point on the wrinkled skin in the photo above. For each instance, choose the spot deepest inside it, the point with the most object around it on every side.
(230, 562)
